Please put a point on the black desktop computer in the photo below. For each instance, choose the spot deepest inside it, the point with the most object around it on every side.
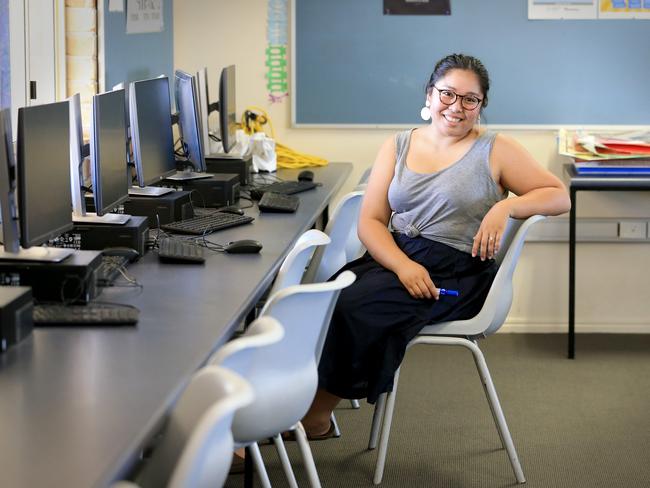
(166, 208)
(242, 167)
(71, 280)
(220, 190)
(16, 322)
(133, 234)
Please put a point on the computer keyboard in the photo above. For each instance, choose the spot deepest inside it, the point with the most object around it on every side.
(92, 314)
(276, 202)
(178, 251)
(110, 269)
(204, 224)
(287, 187)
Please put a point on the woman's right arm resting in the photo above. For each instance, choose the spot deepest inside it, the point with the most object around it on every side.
(373, 228)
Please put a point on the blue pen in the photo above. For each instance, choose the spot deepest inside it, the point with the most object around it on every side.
(451, 293)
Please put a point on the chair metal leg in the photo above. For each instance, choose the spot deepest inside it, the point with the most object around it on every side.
(355, 404)
(377, 418)
(305, 451)
(254, 449)
(337, 431)
(284, 460)
(493, 399)
(487, 396)
(385, 432)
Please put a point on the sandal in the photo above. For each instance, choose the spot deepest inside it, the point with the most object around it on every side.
(290, 435)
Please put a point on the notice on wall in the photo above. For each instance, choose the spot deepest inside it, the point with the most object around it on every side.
(143, 16)
(277, 82)
(562, 9)
(417, 7)
(624, 9)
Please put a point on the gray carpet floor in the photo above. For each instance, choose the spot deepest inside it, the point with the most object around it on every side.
(575, 423)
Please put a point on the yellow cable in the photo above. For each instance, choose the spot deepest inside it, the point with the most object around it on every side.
(253, 120)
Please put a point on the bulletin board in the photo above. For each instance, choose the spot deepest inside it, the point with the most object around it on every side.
(354, 66)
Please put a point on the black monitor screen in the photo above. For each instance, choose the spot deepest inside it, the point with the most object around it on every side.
(108, 151)
(44, 172)
(7, 183)
(189, 118)
(227, 108)
(151, 130)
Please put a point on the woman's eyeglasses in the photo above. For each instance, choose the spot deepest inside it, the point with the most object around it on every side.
(448, 97)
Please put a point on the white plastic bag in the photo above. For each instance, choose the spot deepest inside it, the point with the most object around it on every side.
(263, 151)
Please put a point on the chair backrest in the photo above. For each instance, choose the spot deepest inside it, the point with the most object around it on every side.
(284, 375)
(293, 267)
(196, 448)
(364, 177)
(345, 244)
(499, 299)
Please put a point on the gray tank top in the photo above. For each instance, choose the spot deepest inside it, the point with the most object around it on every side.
(446, 206)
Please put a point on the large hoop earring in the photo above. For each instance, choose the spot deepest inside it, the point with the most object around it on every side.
(425, 113)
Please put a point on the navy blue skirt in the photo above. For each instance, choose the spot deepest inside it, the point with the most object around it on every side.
(375, 318)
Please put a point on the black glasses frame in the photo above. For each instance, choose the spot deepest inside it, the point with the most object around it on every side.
(456, 97)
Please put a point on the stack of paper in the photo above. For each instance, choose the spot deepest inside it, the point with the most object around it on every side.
(607, 154)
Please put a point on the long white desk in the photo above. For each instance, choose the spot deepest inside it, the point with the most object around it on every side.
(77, 405)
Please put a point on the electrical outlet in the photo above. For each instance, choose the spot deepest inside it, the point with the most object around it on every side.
(632, 229)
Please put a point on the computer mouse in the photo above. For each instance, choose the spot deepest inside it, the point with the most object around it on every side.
(127, 252)
(306, 175)
(244, 246)
(232, 210)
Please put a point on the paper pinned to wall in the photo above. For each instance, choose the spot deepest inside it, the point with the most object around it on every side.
(116, 5)
(144, 16)
(562, 9)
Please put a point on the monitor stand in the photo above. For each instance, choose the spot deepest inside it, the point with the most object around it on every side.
(149, 191)
(187, 175)
(38, 254)
(93, 218)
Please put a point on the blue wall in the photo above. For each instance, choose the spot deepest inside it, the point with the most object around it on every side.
(357, 66)
(137, 56)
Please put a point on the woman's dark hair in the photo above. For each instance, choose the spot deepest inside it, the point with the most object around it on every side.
(465, 62)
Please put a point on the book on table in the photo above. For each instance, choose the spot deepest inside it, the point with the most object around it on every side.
(626, 167)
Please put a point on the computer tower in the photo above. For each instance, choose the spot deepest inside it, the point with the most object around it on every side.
(241, 167)
(16, 324)
(133, 234)
(71, 280)
(220, 190)
(165, 208)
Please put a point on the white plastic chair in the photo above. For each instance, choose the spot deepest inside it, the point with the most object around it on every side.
(284, 375)
(364, 177)
(294, 265)
(344, 247)
(466, 333)
(345, 244)
(196, 448)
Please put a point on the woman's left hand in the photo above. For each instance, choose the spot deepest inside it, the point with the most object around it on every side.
(488, 238)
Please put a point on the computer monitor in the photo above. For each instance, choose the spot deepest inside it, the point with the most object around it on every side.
(189, 122)
(10, 236)
(108, 149)
(226, 107)
(79, 151)
(204, 104)
(151, 134)
(189, 118)
(43, 175)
